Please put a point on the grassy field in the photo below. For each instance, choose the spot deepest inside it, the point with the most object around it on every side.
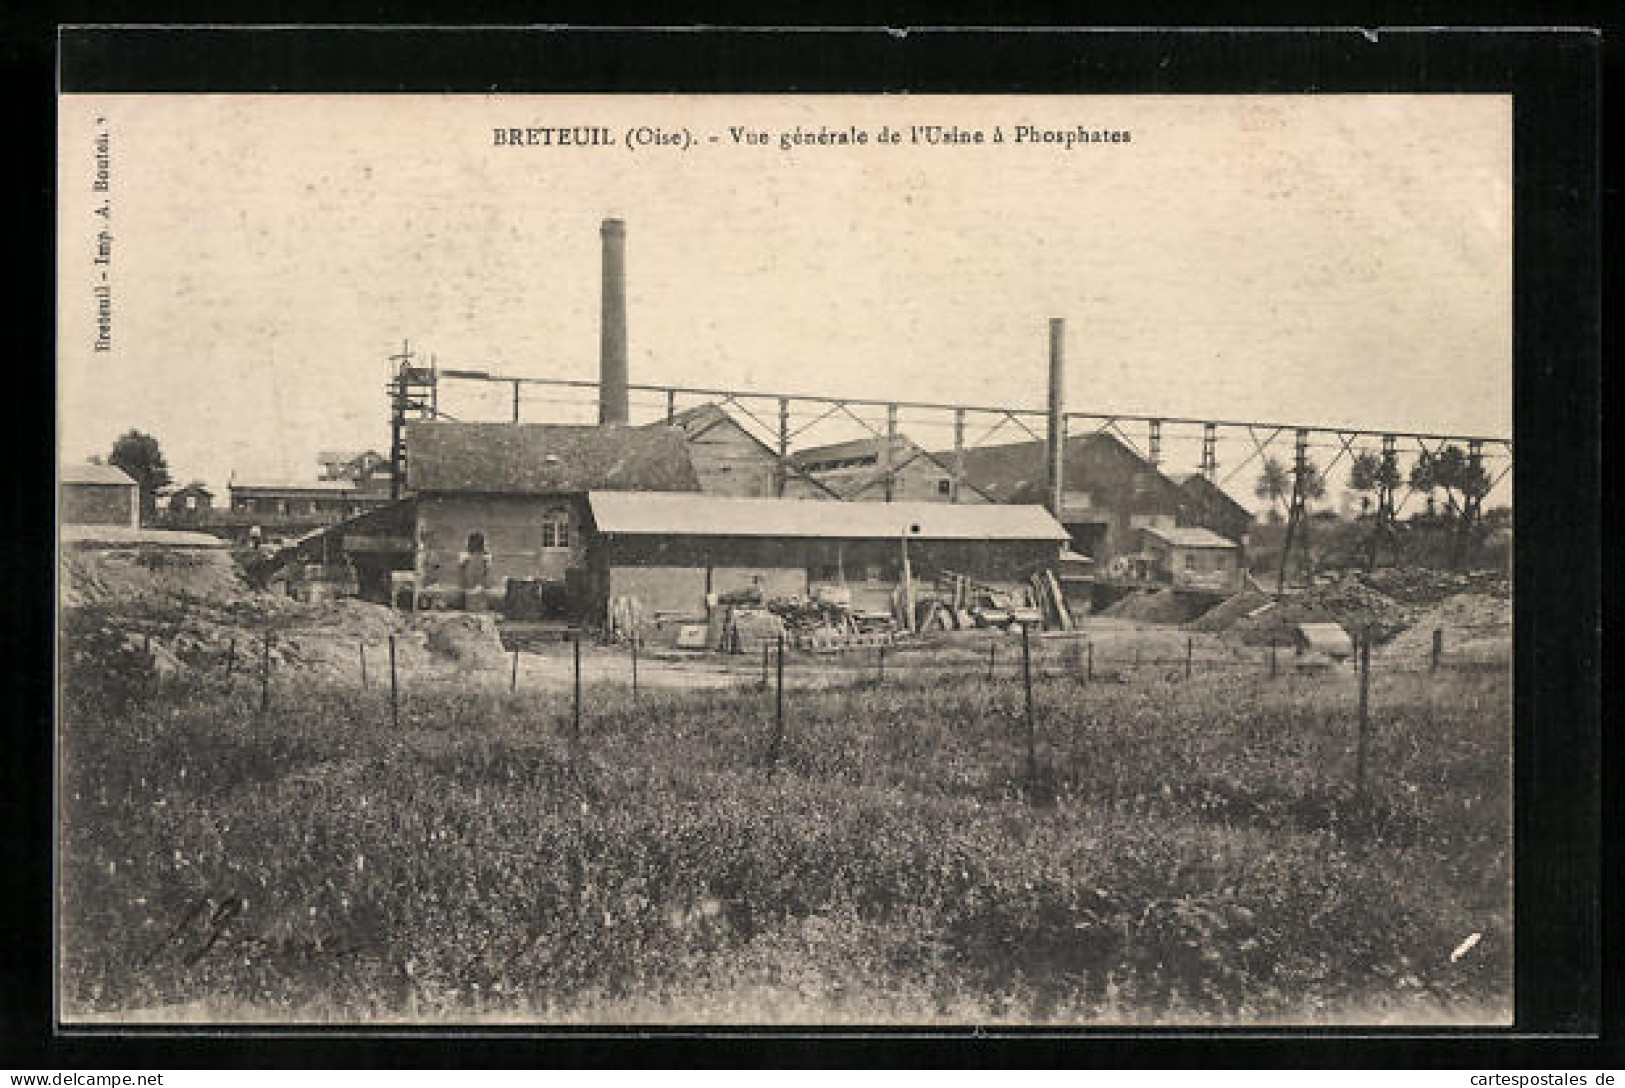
(1191, 851)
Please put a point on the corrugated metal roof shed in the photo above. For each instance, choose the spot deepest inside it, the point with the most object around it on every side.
(1191, 537)
(532, 458)
(83, 472)
(717, 515)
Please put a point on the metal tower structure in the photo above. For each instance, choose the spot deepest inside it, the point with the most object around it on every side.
(413, 394)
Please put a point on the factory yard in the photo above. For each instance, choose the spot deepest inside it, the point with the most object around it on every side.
(193, 614)
(1188, 836)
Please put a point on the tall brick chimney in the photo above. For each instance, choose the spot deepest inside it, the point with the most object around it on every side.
(1055, 451)
(612, 366)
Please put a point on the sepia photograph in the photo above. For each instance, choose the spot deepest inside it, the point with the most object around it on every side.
(783, 560)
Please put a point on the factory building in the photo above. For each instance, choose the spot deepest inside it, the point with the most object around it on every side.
(1108, 492)
(729, 460)
(1211, 507)
(885, 470)
(495, 503)
(587, 523)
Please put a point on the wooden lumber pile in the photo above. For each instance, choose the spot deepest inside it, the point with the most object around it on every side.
(1050, 601)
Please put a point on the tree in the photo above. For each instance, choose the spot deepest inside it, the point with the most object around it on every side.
(1463, 481)
(1314, 484)
(1372, 472)
(1274, 482)
(138, 454)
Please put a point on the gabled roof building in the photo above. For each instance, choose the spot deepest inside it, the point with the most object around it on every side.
(729, 460)
(1211, 507)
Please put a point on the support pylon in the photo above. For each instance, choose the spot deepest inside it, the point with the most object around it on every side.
(1297, 519)
(1385, 529)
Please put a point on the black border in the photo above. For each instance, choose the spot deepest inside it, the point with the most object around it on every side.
(1555, 80)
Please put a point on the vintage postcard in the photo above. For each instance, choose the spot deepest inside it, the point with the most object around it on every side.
(785, 560)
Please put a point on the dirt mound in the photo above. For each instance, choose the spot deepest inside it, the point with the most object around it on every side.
(106, 576)
(1348, 602)
(1230, 612)
(357, 619)
(1476, 626)
(1422, 587)
(1156, 606)
(472, 641)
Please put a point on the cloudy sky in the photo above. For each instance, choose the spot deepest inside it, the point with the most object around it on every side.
(1315, 259)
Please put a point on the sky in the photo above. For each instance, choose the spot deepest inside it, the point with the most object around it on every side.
(1338, 260)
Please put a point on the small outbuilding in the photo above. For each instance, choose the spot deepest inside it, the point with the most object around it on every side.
(1193, 558)
(97, 494)
(191, 502)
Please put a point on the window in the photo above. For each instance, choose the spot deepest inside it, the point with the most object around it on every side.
(556, 529)
(1190, 561)
(191, 502)
(476, 543)
(945, 487)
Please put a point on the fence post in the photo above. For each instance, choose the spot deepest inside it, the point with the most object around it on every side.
(394, 689)
(1363, 660)
(231, 658)
(265, 672)
(1090, 673)
(1272, 659)
(575, 719)
(1027, 683)
(361, 652)
(764, 662)
(992, 657)
(1190, 647)
(880, 665)
(1438, 648)
(778, 713)
(513, 678)
(634, 666)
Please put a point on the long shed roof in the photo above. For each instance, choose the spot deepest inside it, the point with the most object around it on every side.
(532, 458)
(648, 513)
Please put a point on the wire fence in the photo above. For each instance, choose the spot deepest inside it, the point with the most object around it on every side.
(788, 673)
(1153, 657)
